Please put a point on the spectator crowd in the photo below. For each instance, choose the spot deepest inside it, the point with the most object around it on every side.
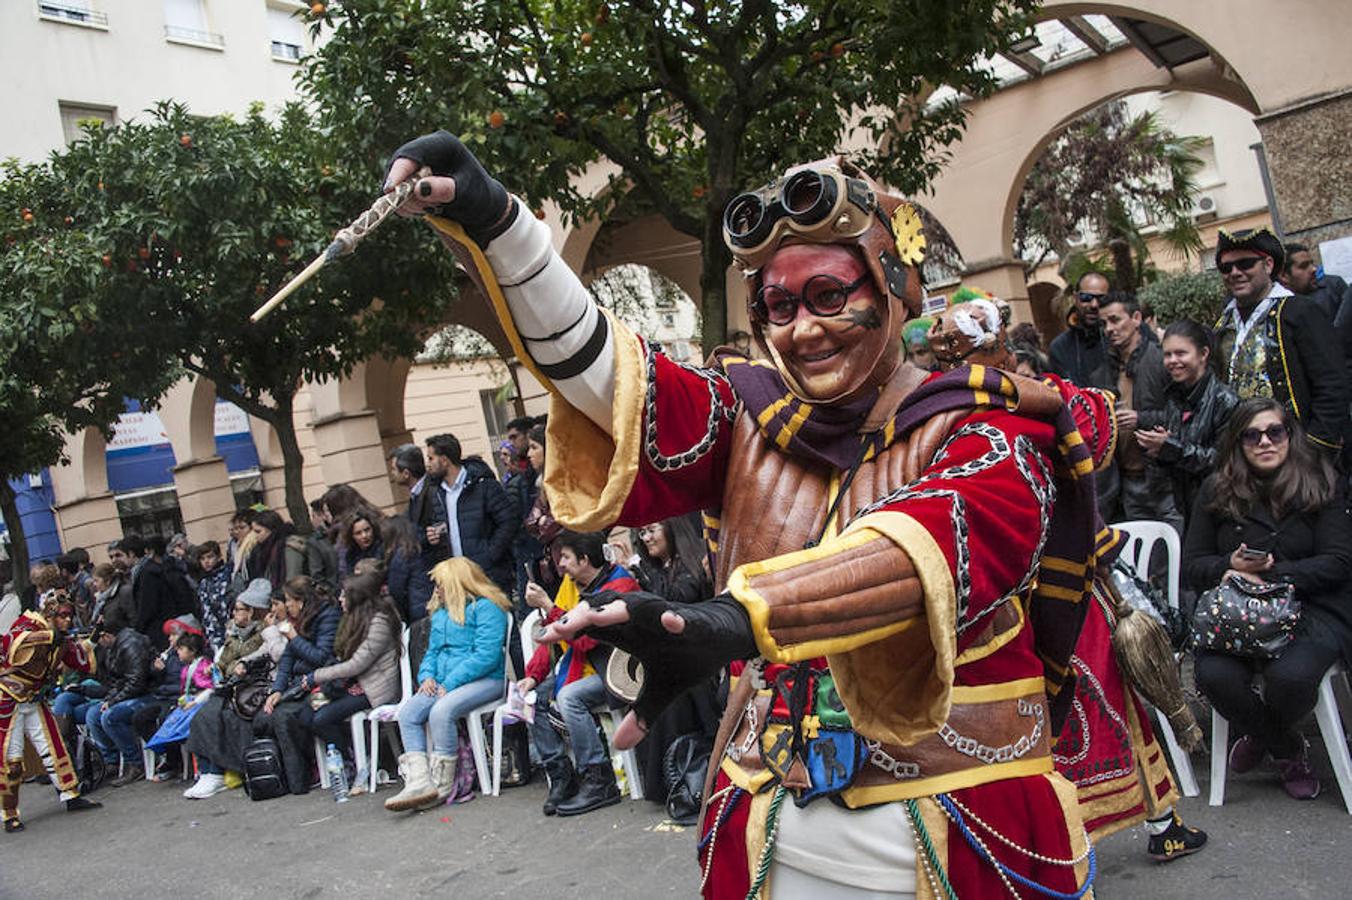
(275, 635)
(1231, 432)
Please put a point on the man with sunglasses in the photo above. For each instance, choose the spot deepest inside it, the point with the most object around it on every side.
(1080, 353)
(879, 538)
(1272, 347)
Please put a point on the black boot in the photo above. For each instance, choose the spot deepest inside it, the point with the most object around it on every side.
(562, 784)
(80, 804)
(598, 790)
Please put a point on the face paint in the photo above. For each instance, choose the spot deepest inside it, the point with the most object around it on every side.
(826, 355)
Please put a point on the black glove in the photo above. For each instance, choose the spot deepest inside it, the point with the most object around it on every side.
(717, 632)
(481, 203)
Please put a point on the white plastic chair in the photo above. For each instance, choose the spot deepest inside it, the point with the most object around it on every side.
(476, 722)
(1141, 536)
(500, 712)
(384, 712)
(1330, 726)
(628, 758)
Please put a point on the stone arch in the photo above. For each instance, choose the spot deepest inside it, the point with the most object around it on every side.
(86, 513)
(188, 411)
(1007, 132)
(1269, 78)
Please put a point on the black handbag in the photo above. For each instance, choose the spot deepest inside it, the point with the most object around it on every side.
(1243, 618)
(684, 766)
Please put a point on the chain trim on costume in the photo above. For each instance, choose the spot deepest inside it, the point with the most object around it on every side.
(1009, 752)
(718, 412)
(735, 753)
(1042, 488)
(901, 771)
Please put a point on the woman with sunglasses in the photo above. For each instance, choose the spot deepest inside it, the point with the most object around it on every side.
(1273, 512)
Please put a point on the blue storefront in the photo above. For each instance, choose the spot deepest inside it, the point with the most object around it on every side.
(140, 464)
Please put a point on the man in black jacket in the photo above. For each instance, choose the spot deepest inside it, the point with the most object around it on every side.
(152, 593)
(1138, 364)
(1080, 353)
(1272, 347)
(124, 665)
(474, 517)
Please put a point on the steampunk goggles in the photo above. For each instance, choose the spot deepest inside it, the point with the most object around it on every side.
(821, 205)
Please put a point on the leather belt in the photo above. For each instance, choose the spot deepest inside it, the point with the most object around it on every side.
(976, 735)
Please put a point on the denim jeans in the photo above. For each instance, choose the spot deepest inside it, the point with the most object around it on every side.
(576, 701)
(69, 703)
(112, 730)
(441, 713)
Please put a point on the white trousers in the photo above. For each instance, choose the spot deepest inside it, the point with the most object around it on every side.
(27, 723)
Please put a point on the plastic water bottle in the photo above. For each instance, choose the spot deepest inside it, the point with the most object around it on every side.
(333, 764)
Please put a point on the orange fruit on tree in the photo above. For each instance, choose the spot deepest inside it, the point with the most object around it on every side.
(837, 49)
(143, 252)
(107, 261)
(317, 9)
(586, 38)
(26, 214)
(69, 221)
(184, 140)
(496, 119)
(539, 213)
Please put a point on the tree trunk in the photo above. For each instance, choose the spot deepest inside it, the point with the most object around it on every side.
(18, 544)
(714, 261)
(518, 402)
(283, 422)
(1124, 269)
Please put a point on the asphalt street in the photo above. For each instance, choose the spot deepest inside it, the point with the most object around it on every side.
(150, 843)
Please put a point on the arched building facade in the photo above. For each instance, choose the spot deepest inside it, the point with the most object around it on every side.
(1303, 113)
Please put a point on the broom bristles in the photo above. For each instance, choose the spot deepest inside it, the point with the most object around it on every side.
(1147, 660)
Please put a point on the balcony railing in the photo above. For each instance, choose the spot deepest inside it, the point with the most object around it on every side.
(193, 36)
(64, 12)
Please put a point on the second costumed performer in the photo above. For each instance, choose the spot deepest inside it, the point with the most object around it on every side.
(904, 557)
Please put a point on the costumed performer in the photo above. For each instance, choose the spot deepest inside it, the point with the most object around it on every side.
(904, 556)
(32, 652)
(1107, 746)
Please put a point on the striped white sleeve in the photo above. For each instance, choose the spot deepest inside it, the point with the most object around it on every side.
(559, 323)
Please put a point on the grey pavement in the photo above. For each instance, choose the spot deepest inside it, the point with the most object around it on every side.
(148, 842)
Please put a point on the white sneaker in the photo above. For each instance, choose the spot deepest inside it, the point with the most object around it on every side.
(207, 786)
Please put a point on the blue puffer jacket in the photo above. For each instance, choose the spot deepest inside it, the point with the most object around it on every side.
(303, 655)
(459, 654)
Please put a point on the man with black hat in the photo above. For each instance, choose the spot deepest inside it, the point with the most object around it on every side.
(1270, 347)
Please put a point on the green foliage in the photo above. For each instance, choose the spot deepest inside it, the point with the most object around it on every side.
(1199, 296)
(1110, 174)
(149, 244)
(691, 102)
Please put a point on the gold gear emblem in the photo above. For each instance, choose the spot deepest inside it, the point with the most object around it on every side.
(910, 234)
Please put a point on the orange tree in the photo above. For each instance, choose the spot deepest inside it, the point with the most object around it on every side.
(148, 245)
(691, 101)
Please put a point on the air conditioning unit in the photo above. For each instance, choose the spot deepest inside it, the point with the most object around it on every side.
(1204, 210)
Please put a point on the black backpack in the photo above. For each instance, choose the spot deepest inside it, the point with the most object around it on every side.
(263, 774)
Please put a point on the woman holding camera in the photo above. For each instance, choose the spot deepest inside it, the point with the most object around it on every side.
(1273, 512)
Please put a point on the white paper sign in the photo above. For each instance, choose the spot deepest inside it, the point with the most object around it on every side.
(1337, 257)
